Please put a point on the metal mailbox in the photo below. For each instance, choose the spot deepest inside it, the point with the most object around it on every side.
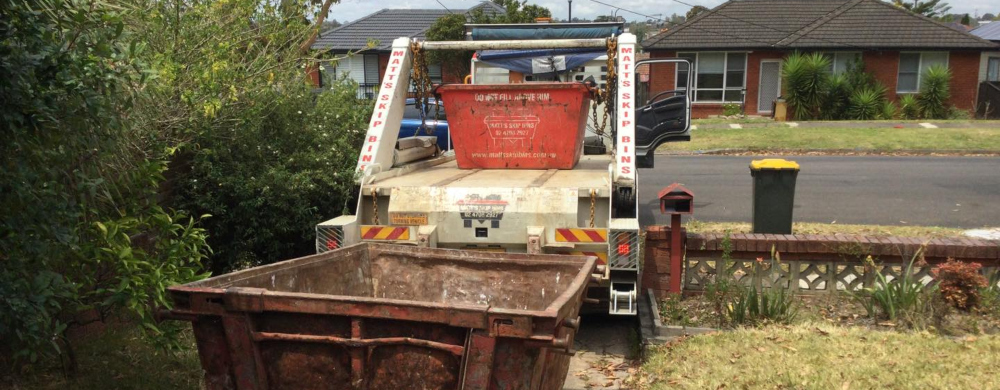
(517, 126)
(378, 316)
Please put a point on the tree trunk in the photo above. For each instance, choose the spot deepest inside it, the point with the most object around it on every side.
(325, 9)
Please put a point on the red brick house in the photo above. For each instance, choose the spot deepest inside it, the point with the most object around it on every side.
(737, 49)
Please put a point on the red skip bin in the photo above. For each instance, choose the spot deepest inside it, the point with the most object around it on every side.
(517, 126)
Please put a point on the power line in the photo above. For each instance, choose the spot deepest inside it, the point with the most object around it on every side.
(442, 6)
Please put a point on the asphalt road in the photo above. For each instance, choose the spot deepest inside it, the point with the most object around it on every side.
(959, 192)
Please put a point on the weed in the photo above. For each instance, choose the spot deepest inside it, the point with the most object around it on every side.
(753, 307)
(673, 312)
(890, 299)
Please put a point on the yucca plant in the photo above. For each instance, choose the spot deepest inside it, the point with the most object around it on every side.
(935, 93)
(838, 97)
(908, 107)
(888, 110)
(865, 104)
(805, 79)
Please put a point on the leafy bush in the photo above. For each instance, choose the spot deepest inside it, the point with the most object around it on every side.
(889, 299)
(805, 79)
(721, 290)
(731, 109)
(81, 229)
(673, 311)
(935, 93)
(908, 108)
(865, 104)
(959, 114)
(753, 307)
(959, 283)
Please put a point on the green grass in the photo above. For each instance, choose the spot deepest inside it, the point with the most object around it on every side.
(119, 359)
(695, 226)
(874, 139)
(822, 356)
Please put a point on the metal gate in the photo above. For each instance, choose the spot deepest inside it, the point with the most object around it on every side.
(770, 85)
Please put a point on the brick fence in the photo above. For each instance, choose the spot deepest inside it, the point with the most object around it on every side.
(809, 263)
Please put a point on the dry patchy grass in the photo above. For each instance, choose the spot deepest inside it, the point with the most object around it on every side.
(695, 226)
(822, 356)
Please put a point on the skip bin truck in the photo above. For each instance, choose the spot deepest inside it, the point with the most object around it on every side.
(516, 180)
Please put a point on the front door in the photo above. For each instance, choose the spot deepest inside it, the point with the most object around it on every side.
(770, 85)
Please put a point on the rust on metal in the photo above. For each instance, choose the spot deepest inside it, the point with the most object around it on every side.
(379, 316)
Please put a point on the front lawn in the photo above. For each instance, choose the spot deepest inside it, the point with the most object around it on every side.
(884, 139)
(823, 356)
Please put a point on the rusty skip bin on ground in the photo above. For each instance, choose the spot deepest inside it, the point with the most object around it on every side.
(378, 316)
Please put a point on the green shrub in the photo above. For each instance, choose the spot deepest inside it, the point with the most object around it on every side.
(805, 79)
(959, 283)
(731, 109)
(959, 114)
(908, 108)
(866, 104)
(935, 93)
(673, 312)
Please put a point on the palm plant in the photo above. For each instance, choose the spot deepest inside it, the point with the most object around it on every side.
(887, 110)
(935, 93)
(908, 107)
(838, 97)
(805, 79)
(865, 104)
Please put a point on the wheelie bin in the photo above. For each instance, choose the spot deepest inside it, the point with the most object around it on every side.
(773, 195)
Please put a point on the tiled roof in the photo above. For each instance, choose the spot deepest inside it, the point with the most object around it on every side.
(812, 24)
(989, 31)
(386, 25)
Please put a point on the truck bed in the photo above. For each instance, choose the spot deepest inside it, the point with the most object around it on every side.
(590, 173)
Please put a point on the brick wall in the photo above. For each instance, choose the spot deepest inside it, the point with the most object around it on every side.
(840, 249)
(964, 67)
(885, 66)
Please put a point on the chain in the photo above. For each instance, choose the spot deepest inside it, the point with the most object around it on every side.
(593, 200)
(422, 86)
(374, 207)
(611, 84)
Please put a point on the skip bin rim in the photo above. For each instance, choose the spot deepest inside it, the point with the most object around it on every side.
(532, 86)
(476, 316)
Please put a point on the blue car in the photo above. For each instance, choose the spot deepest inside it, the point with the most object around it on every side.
(438, 126)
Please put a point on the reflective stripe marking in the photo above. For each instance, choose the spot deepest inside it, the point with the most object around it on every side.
(385, 233)
(581, 235)
(602, 257)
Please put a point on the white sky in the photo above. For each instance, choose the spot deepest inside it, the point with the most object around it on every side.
(352, 9)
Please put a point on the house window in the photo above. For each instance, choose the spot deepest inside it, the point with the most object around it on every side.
(840, 62)
(718, 77)
(993, 69)
(912, 67)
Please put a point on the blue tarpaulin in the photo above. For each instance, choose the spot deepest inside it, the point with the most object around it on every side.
(536, 62)
(487, 33)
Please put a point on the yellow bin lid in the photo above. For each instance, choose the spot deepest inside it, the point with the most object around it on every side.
(773, 164)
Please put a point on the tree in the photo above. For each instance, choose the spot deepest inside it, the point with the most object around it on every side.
(966, 21)
(929, 8)
(987, 16)
(605, 18)
(451, 27)
(694, 11)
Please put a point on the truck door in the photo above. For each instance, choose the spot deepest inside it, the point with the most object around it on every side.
(664, 118)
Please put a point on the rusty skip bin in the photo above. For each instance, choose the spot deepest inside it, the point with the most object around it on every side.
(379, 316)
